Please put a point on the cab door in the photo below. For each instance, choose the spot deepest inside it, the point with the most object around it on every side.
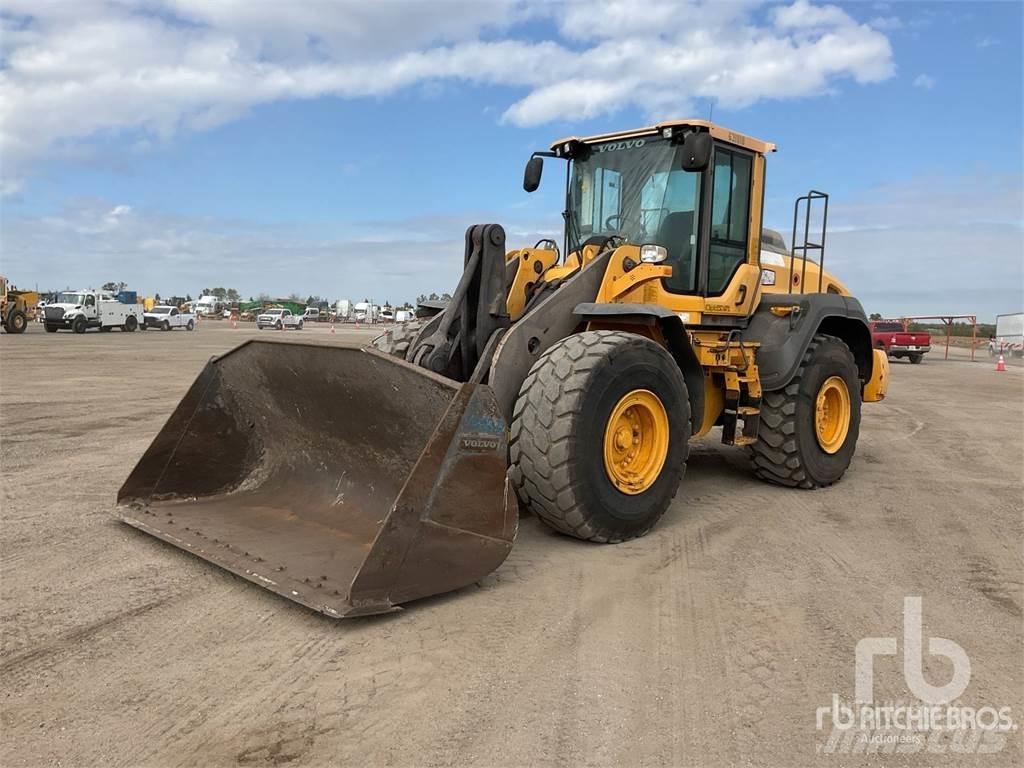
(731, 275)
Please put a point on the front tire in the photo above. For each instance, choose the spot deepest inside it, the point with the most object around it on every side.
(191, 326)
(51, 328)
(590, 403)
(16, 321)
(808, 431)
(165, 326)
(79, 325)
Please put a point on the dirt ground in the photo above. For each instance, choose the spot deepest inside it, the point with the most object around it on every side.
(712, 641)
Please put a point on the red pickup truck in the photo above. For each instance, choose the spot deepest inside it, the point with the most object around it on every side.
(891, 336)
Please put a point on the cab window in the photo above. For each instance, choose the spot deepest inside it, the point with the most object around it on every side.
(730, 214)
(90, 301)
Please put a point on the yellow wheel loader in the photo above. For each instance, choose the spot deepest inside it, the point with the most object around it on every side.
(16, 307)
(567, 380)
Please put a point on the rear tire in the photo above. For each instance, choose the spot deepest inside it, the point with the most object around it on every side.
(130, 324)
(563, 419)
(788, 451)
(915, 359)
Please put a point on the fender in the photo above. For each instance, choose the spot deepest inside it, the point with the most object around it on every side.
(784, 324)
(676, 341)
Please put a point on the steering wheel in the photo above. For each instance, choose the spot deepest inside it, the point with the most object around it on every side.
(617, 218)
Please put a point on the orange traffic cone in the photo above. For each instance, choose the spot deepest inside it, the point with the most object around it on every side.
(1001, 364)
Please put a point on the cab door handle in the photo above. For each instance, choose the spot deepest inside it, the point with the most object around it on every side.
(743, 295)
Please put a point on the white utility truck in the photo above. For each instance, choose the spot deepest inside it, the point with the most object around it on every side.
(364, 312)
(278, 319)
(167, 317)
(80, 310)
(1009, 338)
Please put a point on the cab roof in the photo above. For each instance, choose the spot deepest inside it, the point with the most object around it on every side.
(717, 131)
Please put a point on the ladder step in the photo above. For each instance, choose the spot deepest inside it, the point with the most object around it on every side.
(748, 410)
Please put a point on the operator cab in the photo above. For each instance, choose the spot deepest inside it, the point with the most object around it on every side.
(690, 188)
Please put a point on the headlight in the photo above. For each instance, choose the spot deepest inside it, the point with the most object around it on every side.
(653, 254)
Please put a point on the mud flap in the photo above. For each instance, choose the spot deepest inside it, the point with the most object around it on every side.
(338, 477)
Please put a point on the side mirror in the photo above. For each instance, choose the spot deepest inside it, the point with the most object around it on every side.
(531, 177)
(696, 152)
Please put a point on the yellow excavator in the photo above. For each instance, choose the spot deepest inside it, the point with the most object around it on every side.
(567, 381)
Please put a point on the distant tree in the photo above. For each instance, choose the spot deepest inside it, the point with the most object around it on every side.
(232, 295)
(446, 297)
(188, 297)
(156, 298)
(264, 297)
(875, 316)
(432, 297)
(114, 287)
(421, 298)
(295, 297)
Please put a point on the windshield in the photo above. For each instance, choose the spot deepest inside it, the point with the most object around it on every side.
(72, 298)
(636, 190)
(160, 310)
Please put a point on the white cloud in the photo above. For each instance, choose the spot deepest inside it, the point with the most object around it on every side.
(135, 70)
(924, 81)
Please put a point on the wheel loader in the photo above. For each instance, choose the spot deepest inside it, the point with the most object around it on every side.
(564, 380)
(16, 307)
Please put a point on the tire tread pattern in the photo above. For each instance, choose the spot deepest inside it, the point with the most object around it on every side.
(775, 456)
(541, 440)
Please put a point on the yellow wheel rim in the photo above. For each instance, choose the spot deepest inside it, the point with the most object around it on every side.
(636, 441)
(832, 414)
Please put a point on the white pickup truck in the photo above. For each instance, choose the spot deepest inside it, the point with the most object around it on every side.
(165, 318)
(279, 319)
(80, 310)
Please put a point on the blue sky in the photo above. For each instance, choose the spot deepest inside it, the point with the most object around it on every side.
(342, 149)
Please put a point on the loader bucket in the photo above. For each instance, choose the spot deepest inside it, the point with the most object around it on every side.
(338, 477)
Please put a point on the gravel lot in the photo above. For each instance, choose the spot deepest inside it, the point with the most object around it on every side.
(711, 641)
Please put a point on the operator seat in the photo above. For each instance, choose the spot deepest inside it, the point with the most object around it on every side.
(675, 234)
